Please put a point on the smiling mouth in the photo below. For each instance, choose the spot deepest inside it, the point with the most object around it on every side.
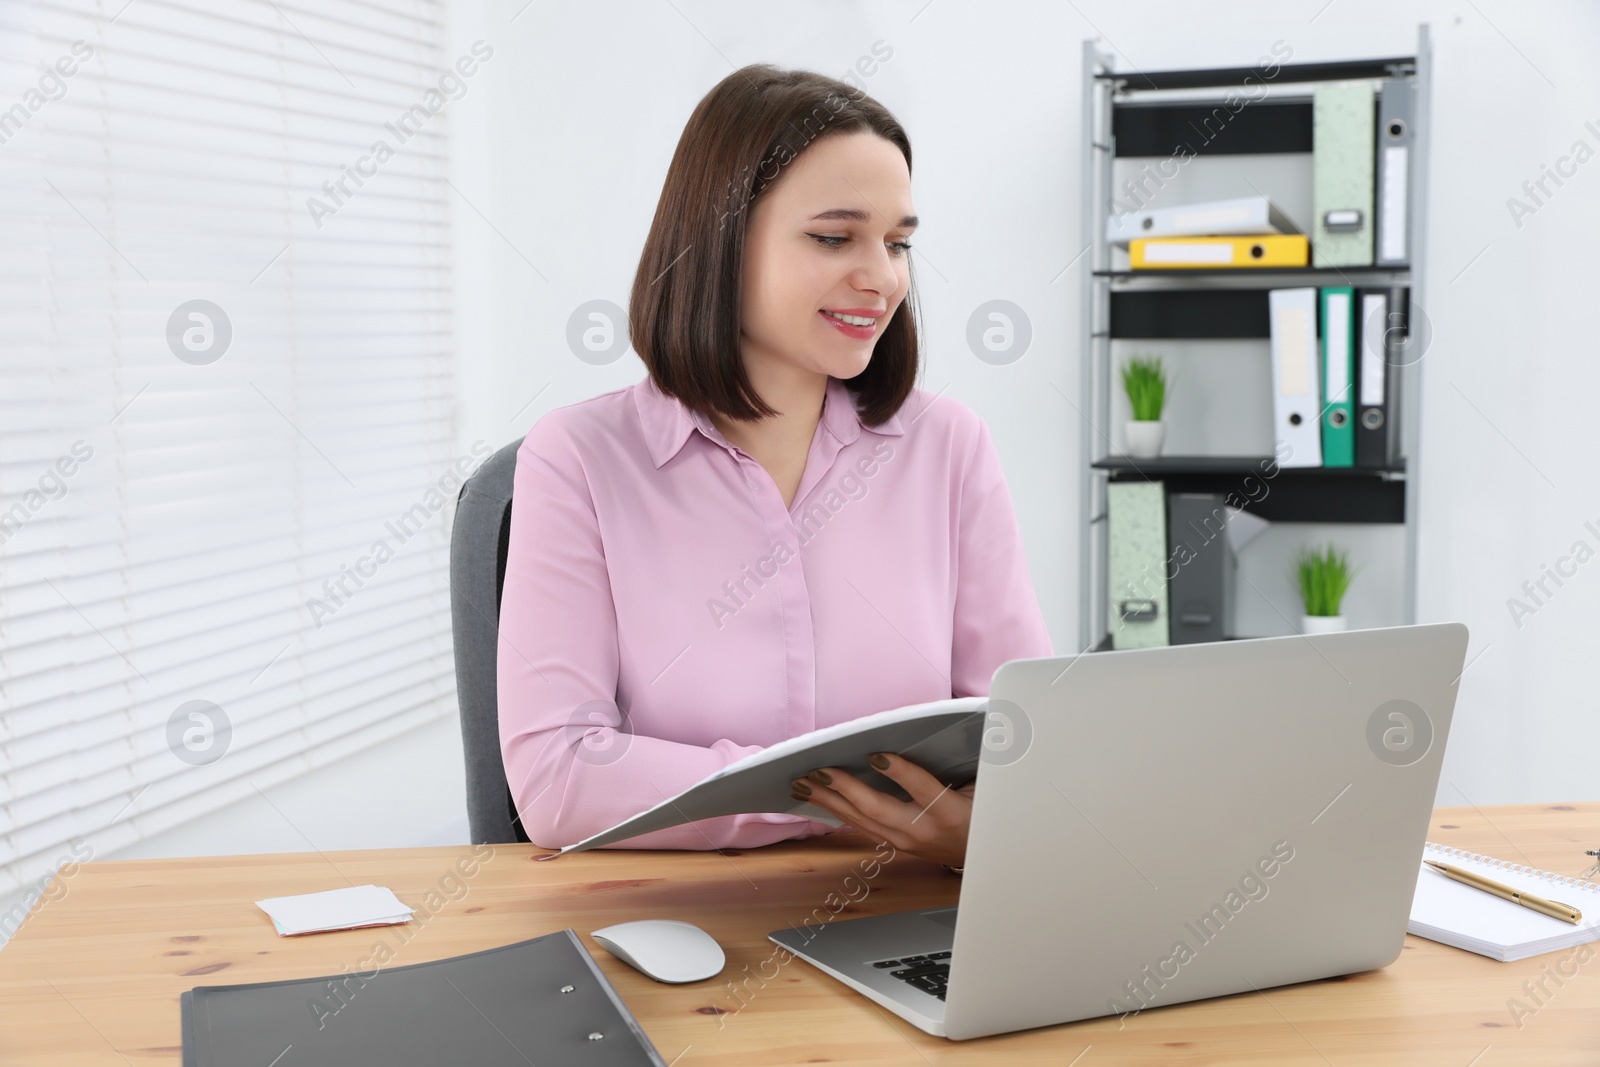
(860, 321)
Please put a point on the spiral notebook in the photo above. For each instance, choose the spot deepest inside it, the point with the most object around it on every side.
(1446, 911)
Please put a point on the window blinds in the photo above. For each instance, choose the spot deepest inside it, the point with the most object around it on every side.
(227, 445)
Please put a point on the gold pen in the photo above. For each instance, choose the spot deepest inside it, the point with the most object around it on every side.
(1553, 908)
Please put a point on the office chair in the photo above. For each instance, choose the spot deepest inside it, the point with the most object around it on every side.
(477, 573)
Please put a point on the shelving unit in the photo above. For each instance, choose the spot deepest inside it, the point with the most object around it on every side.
(1129, 115)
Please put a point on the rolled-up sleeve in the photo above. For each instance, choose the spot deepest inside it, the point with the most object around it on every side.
(997, 616)
(572, 767)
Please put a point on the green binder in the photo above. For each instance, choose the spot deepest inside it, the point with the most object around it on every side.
(1338, 377)
(1342, 146)
(1136, 528)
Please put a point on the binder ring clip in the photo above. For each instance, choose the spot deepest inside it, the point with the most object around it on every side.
(1594, 870)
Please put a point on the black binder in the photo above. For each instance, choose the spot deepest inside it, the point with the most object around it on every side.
(540, 1001)
(1380, 350)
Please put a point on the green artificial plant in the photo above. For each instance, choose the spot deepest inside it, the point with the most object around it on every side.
(1324, 576)
(1145, 382)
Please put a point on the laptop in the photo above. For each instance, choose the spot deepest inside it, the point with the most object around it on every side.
(1155, 826)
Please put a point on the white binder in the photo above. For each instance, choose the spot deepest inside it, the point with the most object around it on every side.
(1296, 394)
(1216, 218)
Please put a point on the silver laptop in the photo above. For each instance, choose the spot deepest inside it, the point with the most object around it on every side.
(1161, 825)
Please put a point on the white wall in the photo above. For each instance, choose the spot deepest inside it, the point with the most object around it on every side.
(562, 143)
(582, 108)
(406, 792)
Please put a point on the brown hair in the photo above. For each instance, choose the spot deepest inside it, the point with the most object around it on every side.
(683, 313)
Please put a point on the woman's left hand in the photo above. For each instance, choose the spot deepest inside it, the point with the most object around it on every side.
(932, 824)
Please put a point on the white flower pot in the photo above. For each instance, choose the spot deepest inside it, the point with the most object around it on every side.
(1143, 438)
(1322, 624)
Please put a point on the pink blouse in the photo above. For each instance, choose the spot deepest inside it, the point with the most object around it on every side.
(665, 614)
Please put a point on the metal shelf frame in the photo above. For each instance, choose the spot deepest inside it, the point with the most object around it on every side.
(1103, 89)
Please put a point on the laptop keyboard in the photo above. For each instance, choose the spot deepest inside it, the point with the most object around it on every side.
(929, 973)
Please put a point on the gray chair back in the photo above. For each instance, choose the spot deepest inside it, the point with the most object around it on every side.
(477, 574)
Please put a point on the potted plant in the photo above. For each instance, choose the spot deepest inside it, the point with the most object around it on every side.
(1145, 382)
(1324, 577)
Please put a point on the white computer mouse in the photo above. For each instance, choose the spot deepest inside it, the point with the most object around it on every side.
(664, 949)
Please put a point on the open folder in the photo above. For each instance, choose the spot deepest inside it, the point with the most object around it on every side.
(943, 737)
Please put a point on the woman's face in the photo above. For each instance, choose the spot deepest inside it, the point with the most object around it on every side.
(829, 236)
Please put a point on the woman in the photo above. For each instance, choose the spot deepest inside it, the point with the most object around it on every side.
(776, 530)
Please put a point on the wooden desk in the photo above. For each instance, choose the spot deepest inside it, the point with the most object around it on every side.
(94, 977)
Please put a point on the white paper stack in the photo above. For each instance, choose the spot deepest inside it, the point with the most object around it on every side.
(336, 909)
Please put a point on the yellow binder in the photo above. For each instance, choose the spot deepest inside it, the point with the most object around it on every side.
(1168, 253)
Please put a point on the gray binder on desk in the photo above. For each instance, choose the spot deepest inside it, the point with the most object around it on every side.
(538, 1001)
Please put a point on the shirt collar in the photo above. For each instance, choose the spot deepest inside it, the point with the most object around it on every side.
(667, 421)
